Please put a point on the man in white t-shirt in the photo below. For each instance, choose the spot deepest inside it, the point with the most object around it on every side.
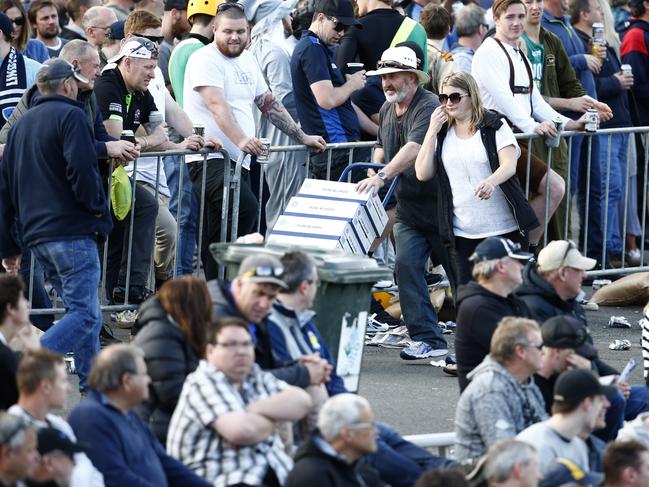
(222, 81)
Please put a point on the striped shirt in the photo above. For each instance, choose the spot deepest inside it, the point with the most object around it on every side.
(192, 439)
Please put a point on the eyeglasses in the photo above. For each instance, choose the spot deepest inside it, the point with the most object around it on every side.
(361, 426)
(532, 345)
(571, 245)
(228, 5)
(156, 39)
(236, 345)
(105, 29)
(392, 64)
(339, 26)
(264, 271)
(18, 21)
(454, 97)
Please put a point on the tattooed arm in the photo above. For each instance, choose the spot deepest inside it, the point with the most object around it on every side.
(272, 108)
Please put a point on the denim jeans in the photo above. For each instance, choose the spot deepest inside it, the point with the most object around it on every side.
(616, 186)
(39, 297)
(186, 240)
(414, 247)
(399, 462)
(72, 266)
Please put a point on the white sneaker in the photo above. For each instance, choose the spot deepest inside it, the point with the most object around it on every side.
(422, 350)
(125, 319)
(373, 326)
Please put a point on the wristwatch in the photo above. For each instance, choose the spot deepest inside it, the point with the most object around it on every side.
(382, 176)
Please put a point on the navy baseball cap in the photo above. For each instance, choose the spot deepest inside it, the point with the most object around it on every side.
(493, 248)
(342, 10)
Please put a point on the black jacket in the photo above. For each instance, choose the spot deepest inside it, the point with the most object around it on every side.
(223, 306)
(521, 209)
(8, 366)
(478, 313)
(317, 468)
(169, 359)
(544, 303)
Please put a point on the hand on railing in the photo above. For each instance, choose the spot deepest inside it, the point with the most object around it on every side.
(193, 142)
(213, 143)
(122, 150)
(251, 146)
(315, 142)
(547, 129)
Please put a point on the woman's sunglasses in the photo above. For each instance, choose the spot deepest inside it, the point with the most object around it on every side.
(454, 97)
(19, 21)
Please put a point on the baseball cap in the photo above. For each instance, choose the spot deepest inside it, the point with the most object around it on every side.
(573, 386)
(401, 59)
(262, 269)
(51, 439)
(563, 253)
(175, 4)
(565, 471)
(116, 30)
(6, 26)
(568, 332)
(137, 47)
(342, 10)
(493, 248)
(57, 68)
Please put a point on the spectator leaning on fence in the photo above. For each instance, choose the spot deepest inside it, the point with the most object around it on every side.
(63, 213)
(215, 96)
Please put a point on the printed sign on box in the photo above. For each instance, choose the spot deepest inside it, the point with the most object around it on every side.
(316, 232)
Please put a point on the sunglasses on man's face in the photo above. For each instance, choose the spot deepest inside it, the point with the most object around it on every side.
(338, 25)
(454, 97)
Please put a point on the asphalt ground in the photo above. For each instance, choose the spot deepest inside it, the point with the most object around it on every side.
(415, 397)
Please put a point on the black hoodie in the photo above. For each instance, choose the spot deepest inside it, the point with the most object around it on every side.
(479, 312)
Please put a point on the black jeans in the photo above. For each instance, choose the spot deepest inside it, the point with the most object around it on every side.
(248, 208)
(146, 210)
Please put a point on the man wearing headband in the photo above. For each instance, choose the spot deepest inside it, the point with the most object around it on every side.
(51, 184)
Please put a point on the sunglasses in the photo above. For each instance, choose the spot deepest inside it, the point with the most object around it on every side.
(571, 245)
(454, 97)
(149, 46)
(264, 271)
(156, 39)
(18, 21)
(392, 64)
(228, 5)
(339, 26)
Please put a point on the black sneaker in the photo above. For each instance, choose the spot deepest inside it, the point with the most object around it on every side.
(383, 316)
(136, 294)
(106, 337)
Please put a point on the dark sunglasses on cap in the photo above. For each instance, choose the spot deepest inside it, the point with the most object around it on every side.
(339, 26)
(571, 245)
(392, 64)
(18, 20)
(156, 39)
(264, 271)
(228, 5)
(454, 97)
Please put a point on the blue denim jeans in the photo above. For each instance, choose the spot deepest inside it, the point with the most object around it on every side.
(399, 462)
(414, 247)
(187, 222)
(72, 266)
(39, 297)
(616, 186)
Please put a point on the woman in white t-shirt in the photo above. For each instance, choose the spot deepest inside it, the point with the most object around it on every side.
(473, 152)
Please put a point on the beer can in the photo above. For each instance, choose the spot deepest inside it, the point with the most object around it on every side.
(556, 140)
(155, 119)
(128, 135)
(626, 69)
(265, 150)
(199, 129)
(592, 120)
(618, 322)
(598, 34)
(354, 67)
(600, 283)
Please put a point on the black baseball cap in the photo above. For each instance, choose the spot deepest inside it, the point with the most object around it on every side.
(57, 68)
(497, 248)
(568, 332)
(175, 4)
(573, 386)
(51, 439)
(342, 10)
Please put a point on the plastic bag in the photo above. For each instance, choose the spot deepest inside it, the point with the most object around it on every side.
(121, 195)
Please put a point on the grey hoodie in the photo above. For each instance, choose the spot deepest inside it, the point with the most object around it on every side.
(494, 406)
(635, 430)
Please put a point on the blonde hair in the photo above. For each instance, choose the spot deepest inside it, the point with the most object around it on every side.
(610, 33)
(466, 82)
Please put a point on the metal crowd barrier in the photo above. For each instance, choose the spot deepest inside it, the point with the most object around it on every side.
(231, 201)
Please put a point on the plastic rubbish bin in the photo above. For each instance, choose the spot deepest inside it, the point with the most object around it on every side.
(342, 301)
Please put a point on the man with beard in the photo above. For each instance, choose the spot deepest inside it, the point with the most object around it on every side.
(403, 122)
(222, 80)
(322, 93)
(44, 17)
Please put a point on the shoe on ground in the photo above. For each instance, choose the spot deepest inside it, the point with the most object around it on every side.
(634, 258)
(383, 316)
(450, 359)
(421, 350)
(374, 326)
(136, 294)
(106, 337)
(450, 369)
(125, 319)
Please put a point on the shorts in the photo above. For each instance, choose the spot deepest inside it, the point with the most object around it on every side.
(538, 169)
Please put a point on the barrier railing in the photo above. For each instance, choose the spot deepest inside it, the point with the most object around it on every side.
(232, 181)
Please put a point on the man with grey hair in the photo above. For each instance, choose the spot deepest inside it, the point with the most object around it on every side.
(96, 23)
(482, 303)
(502, 399)
(120, 445)
(18, 455)
(471, 27)
(347, 433)
(51, 186)
(512, 463)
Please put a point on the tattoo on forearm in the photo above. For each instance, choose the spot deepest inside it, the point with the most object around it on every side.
(272, 108)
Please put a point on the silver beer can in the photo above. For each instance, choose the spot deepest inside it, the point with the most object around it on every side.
(199, 129)
(626, 69)
(265, 150)
(592, 120)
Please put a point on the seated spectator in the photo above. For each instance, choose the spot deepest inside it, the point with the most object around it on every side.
(44, 388)
(626, 464)
(436, 20)
(332, 457)
(250, 296)
(471, 27)
(512, 463)
(483, 302)
(14, 316)
(58, 454)
(171, 330)
(120, 444)
(18, 455)
(502, 399)
(579, 405)
(225, 425)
